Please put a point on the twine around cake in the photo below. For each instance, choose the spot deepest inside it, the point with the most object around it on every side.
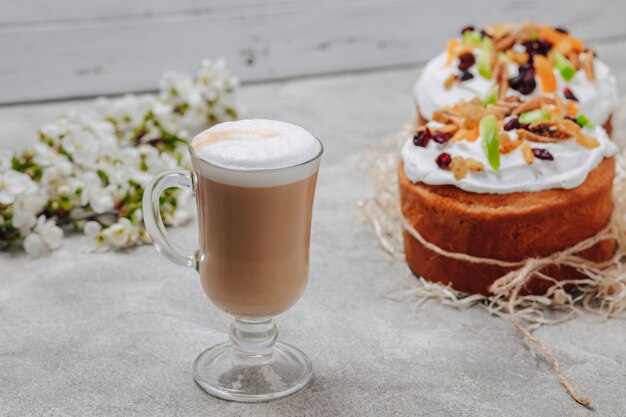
(602, 292)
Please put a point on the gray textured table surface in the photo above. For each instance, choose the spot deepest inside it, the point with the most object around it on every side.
(115, 334)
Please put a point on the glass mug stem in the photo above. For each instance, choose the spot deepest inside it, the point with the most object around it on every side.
(253, 340)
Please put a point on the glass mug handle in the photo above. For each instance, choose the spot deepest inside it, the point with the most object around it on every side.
(154, 223)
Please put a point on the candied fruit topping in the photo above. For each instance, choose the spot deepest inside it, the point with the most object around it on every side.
(569, 94)
(543, 154)
(422, 137)
(443, 160)
(466, 61)
(441, 137)
(464, 76)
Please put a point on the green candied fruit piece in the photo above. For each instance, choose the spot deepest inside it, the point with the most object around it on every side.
(584, 121)
(534, 115)
(565, 67)
(491, 97)
(484, 62)
(471, 37)
(491, 145)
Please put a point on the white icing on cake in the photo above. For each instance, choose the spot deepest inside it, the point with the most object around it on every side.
(569, 169)
(597, 99)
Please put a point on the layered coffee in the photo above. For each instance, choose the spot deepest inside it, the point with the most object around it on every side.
(255, 182)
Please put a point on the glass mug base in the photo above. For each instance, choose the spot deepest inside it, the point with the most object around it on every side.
(221, 372)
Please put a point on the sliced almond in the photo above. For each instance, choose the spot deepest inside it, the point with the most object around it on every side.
(574, 59)
(524, 134)
(474, 165)
(447, 84)
(472, 113)
(499, 112)
(506, 144)
(448, 128)
(527, 153)
(587, 64)
(504, 42)
(519, 57)
(459, 135)
(447, 116)
(533, 104)
(569, 126)
(458, 167)
(501, 78)
(587, 141)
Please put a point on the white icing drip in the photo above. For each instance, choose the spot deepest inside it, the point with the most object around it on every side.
(570, 167)
(597, 99)
(256, 145)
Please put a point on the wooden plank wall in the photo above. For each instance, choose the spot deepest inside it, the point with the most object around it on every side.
(74, 48)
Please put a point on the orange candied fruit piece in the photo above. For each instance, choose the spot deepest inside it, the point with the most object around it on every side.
(572, 108)
(545, 72)
(557, 38)
(472, 134)
(451, 48)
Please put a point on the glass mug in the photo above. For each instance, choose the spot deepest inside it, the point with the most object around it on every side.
(253, 258)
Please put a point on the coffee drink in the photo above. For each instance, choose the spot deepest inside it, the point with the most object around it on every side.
(254, 214)
(254, 182)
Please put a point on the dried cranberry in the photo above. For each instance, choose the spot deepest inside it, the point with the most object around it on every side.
(464, 76)
(561, 30)
(569, 94)
(512, 124)
(422, 137)
(525, 126)
(467, 29)
(538, 46)
(523, 83)
(543, 154)
(466, 61)
(441, 137)
(527, 68)
(443, 161)
(484, 34)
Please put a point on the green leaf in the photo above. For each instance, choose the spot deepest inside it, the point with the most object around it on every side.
(534, 115)
(491, 145)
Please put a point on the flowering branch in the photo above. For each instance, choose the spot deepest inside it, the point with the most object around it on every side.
(88, 170)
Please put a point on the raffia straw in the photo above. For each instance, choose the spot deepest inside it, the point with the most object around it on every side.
(602, 294)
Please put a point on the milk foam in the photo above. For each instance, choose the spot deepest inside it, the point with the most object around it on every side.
(256, 153)
(256, 145)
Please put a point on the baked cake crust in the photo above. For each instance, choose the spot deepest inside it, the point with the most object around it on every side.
(509, 227)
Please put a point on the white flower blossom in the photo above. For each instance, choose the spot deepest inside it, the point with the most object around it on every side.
(26, 208)
(45, 237)
(120, 234)
(89, 168)
(34, 245)
(12, 184)
(95, 195)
